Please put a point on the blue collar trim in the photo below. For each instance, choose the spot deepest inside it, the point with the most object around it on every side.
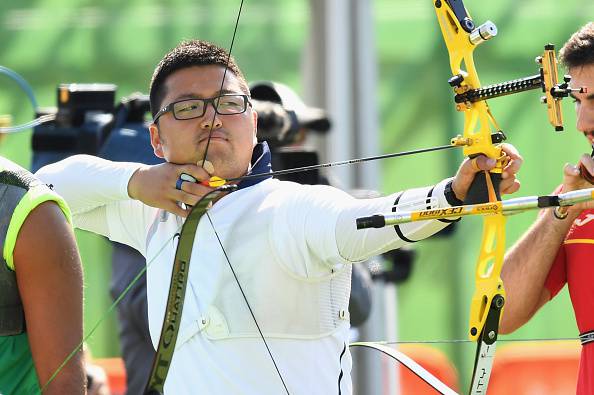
(261, 164)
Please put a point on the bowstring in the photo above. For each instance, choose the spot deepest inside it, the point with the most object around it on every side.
(216, 104)
(248, 305)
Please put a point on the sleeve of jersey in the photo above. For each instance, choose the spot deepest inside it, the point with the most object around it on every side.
(97, 192)
(355, 245)
(557, 276)
(323, 223)
(33, 198)
(87, 182)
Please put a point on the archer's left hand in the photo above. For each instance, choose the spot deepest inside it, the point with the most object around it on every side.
(469, 168)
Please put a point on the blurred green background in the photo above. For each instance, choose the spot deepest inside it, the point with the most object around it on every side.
(55, 41)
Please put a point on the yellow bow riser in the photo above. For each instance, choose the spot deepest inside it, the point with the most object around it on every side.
(477, 116)
(477, 139)
(488, 282)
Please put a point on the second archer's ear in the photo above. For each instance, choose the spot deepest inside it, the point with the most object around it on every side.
(255, 120)
(156, 141)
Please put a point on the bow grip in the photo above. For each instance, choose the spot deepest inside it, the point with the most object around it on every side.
(483, 183)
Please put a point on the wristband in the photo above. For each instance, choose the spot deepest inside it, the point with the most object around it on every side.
(451, 196)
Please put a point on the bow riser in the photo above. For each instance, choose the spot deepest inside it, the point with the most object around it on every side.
(461, 38)
(460, 35)
(488, 283)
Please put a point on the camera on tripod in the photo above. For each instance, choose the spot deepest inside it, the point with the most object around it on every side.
(283, 121)
(87, 121)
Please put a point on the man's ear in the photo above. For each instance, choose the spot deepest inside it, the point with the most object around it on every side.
(156, 140)
(255, 120)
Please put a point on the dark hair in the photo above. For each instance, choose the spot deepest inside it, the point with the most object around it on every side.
(187, 54)
(579, 49)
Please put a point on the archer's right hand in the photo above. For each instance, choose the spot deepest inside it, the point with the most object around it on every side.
(162, 186)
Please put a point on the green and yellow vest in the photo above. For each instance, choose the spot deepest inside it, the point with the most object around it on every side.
(20, 193)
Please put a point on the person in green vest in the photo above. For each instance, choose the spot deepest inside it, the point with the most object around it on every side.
(40, 289)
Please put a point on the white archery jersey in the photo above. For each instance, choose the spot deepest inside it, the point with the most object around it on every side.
(291, 247)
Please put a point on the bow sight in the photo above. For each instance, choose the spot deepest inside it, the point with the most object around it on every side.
(547, 79)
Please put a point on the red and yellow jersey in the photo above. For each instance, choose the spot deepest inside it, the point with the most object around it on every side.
(574, 265)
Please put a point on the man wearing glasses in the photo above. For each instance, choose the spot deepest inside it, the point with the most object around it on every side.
(291, 246)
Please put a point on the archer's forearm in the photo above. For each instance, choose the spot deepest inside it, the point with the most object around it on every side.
(360, 244)
(526, 267)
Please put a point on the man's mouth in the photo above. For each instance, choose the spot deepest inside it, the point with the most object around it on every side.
(213, 136)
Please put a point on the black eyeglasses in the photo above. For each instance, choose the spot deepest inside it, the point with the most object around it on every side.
(195, 108)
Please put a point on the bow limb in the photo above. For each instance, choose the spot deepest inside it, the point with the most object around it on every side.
(176, 294)
(409, 363)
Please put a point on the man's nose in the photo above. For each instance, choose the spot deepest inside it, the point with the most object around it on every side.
(210, 119)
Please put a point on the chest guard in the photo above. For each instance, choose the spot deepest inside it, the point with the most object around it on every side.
(14, 184)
